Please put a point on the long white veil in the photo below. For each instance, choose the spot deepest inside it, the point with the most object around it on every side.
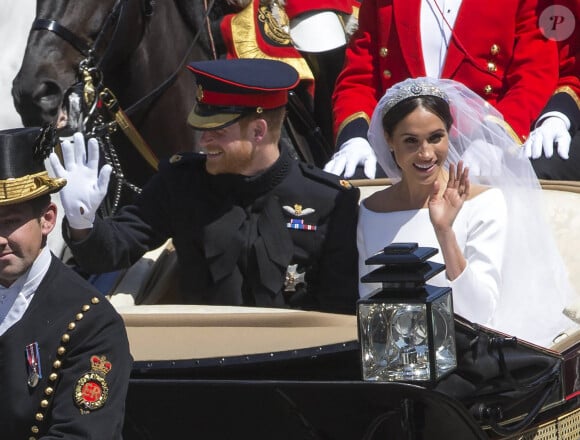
(480, 137)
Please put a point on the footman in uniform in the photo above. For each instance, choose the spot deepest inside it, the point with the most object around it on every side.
(554, 145)
(64, 353)
(250, 224)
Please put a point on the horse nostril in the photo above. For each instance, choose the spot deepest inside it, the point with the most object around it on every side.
(40, 106)
(48, 96)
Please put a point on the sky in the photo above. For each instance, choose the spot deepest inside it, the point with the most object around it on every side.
(15, 21)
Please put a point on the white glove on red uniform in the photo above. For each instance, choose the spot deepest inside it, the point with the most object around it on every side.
(552, 131)
(355, 151)
(86, 187)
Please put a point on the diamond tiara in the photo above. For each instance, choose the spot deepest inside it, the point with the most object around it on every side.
(405, 91)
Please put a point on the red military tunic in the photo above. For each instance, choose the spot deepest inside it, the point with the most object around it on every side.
(497, 50)
(294, 8)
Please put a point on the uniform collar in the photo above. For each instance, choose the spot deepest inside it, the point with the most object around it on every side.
(30, 280)
(249, 187)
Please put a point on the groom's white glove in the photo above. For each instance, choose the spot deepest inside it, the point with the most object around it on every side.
(355, 151)
(86, 187)
(552, 131)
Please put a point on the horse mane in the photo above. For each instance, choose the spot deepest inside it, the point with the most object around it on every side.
(193, 13)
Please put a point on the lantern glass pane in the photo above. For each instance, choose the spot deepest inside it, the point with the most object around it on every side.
(443, 334)
(394, 342)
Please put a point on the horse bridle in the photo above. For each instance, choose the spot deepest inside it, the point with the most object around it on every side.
(89, 71)
(88, 50)
(85, 48)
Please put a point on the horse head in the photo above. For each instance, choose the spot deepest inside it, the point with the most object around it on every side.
(137, 48)
(62, 35)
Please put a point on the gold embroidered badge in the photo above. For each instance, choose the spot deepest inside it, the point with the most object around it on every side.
(92, 390)
(275, 25)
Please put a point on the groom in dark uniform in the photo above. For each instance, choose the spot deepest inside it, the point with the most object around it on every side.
(250, 224)
(64, 354)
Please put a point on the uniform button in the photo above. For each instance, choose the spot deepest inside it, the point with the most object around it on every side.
(65, 338)
(35, 429)
(31, 438)
(56, 364)
(71, 326)
(383, 52)
(86, 308)
(494, 50)
(48, 391)
(61, 350)
(95, 300)
(387, 74)
(491, 67)
(53, 377)
(39, 417)
(44, 403)
(487, 89)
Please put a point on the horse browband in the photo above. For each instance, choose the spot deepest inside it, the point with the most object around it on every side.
(80, 44)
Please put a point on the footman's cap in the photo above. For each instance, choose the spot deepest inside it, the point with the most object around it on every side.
(230, 89)
(22, 173)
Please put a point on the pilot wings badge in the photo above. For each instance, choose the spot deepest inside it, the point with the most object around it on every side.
(298, 210)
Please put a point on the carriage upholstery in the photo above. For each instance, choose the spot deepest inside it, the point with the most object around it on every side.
(148, 282)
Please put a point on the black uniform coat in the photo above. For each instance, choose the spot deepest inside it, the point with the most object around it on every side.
(234, 235)
(556, 168)
(64, 304)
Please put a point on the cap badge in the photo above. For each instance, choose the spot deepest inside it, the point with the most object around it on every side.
(298, 210)
(199, 93)
(92, 390)
(175, 158)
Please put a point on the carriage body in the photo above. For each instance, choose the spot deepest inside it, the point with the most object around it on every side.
(225, 372)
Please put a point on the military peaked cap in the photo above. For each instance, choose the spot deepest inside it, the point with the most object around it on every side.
(230, 89)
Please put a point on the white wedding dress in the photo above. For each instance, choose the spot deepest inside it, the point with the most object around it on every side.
(480, 228)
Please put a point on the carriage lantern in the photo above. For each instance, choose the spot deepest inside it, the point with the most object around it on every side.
(406, 328)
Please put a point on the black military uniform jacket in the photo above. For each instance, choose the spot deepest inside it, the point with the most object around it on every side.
(236, 237)
(84, 361)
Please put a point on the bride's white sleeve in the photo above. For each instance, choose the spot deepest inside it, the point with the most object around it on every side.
(476, 291)
(364, 289)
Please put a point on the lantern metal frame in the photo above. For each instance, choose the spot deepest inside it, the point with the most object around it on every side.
(403, 274)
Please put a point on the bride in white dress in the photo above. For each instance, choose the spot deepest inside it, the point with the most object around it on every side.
(464, 186)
